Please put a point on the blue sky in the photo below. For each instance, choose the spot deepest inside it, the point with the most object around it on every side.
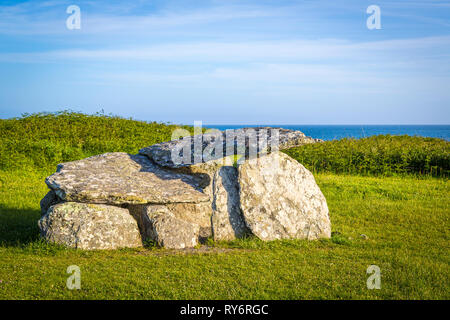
(229, 62)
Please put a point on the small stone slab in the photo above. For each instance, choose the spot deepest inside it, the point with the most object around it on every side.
(162, 226)
(198, 214)
(246, 142)
(120, 178)
(49, 200)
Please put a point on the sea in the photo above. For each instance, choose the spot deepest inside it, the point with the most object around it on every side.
(335, 132)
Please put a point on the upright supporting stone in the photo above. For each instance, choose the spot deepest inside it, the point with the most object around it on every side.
(281, 200)
(167, 230)
(227, 220)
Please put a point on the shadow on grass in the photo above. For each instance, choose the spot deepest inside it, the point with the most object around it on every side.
(18, 227)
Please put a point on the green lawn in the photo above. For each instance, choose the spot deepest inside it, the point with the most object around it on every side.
(406, 220)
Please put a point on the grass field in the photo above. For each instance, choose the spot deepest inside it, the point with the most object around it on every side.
(406, 220)
(405, 217)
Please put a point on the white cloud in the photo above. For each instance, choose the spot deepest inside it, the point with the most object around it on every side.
(338, 51)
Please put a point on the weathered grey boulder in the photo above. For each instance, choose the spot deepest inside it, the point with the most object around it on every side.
(49, 200)
(162, 226)
(120, 178)
(215, 145)
(227, 220)
(90, 226)
(281, 200)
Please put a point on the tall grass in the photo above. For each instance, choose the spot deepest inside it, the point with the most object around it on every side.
(377, 155)
(43, 140)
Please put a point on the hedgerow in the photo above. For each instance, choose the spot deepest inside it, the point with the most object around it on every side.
(42, 140)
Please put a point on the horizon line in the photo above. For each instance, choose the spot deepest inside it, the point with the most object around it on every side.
(325, 124)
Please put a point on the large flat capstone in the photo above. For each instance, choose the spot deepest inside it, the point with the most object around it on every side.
(202, 148)
(120, 178)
